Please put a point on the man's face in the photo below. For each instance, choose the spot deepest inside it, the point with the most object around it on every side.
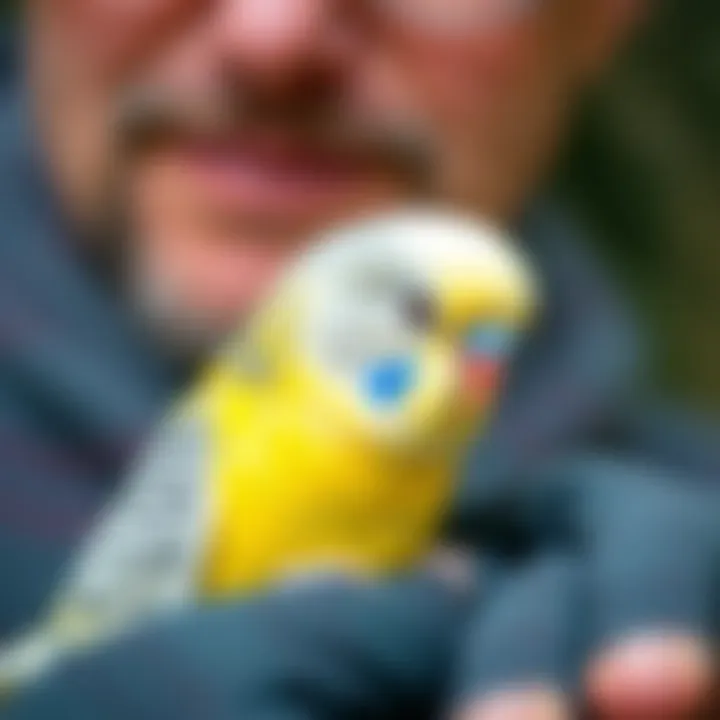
(230, 131)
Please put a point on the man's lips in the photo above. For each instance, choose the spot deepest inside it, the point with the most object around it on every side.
(277, 178)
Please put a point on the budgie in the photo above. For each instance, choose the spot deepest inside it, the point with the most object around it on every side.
(324, 438)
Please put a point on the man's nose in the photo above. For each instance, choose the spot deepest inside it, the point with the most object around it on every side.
(277, 40)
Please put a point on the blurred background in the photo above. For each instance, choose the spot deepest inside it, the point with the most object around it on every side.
(643, 172)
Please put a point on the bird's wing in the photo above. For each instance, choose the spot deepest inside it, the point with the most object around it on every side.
(140, 559)
(143, 553)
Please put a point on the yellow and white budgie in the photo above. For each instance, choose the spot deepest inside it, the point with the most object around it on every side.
(324, 438)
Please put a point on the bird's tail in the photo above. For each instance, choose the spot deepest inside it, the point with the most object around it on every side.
(33, 653)
(26, 658)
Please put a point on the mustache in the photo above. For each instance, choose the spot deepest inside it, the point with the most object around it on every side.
(150, 116)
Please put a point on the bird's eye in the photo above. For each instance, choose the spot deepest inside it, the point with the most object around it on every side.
(419, 309)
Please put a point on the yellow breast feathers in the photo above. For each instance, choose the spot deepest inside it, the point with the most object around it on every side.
(335, 435)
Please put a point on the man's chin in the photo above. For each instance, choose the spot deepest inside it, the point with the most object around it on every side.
(191, 303)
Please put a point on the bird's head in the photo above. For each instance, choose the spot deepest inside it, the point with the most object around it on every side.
(406, 323)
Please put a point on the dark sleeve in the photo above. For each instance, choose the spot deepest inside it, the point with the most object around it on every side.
(684, 441)
(318, 652)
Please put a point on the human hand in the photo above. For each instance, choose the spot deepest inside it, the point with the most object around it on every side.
(618, 617)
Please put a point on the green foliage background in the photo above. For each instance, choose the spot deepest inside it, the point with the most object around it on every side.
(645, 171)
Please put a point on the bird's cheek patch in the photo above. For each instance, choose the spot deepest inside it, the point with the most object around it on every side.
(387, 382)
(480, 377)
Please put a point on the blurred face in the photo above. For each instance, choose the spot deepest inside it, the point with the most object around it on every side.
(228, 132)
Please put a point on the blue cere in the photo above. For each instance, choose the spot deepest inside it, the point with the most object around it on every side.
(387, 381)
(493, 340)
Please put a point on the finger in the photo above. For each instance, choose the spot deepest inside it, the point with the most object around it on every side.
(520, 652)
(652, 676)
(653, 556)
(336, 649)
(527, 703)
